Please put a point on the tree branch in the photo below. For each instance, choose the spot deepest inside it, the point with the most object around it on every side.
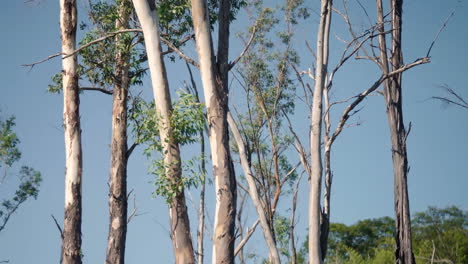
(97, 89)
(180, 53)
(246, 238)
(58, 226)
(110, 35)
(252, 37)
(361, 96)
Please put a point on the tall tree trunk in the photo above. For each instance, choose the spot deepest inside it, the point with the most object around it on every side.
(254, 195)
(118, 170)
(71, 240)
(393, 99)
(179, 221)
(315, 250)
(214, 77)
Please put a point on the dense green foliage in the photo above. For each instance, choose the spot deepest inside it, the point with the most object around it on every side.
(439, 236)
(29, 179)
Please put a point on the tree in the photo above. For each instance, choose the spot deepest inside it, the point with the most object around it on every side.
(315, 251)
(214, 75)
(71, 240)
(440, 235)
(393, 100)
(180, 226)
(264, 75)
(119, 149)
(30, 179)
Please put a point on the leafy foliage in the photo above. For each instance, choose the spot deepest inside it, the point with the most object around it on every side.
(187, 120)
(442, 231)
(9, 152)
(30, 179)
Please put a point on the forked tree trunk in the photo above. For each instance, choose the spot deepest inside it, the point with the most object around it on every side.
(71, 237)
(118, 170)
(214, 77)
(179, 221)
(315, 214)
(254, 194)
(393, 99)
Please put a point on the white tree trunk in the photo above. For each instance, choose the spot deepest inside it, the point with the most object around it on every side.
(180, 226)
(315, 255)
(253, 192)
(214, 79)
(71, 241)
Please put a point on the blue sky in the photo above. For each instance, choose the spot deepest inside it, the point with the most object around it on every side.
(363, 183)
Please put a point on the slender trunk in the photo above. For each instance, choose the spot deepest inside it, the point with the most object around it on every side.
(201, 209)
(179, 221)
(292, 221)
(325, 217)
(253, 193)
(71, 241)
(215, 85)
(118, 170)
(201, 212)
(393, 99)
(315, 251)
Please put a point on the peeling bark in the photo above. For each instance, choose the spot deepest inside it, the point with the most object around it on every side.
(118, 170)
(179, 221)
(393, 100)
(215, 85)
(71, 241)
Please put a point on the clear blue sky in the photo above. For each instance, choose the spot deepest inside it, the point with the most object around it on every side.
(363, 183)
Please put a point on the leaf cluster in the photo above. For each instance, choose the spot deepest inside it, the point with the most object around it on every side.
(186, 122)
(29, 178)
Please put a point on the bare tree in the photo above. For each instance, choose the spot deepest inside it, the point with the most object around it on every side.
(71, 241)
(179, 221)
(393, 100)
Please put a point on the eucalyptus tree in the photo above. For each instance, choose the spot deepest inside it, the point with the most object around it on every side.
(71, 237)
(214, 74)
(393, 101)
(119, 148)
(110, 65)
(268, 94)
(169, 142)
(315, 254)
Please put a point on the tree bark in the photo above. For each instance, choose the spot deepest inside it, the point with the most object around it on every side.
(253, 193)
(393, 100)
(215, 85)
(315, 250)
(179, 221)
(71, 240)
(118, 170)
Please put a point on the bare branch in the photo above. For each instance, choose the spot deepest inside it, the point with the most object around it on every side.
(102, 90)
(110, 35)
(246, 238)
(131, 149)
(180, 53)
(252, 37)
(440, 31)
(58, 226)
(361, 96)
